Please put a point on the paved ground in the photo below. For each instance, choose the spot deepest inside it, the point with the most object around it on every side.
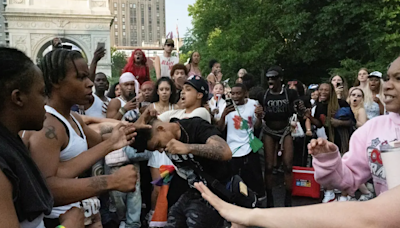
(279, 194)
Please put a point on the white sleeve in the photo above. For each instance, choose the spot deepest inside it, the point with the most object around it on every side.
(166, 116)
(202, 113)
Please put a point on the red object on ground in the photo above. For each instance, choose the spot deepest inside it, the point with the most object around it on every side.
(304, 183)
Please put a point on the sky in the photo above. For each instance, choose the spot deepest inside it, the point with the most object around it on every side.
(176, 13)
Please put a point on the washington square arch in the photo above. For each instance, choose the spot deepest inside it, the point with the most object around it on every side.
(33, 24)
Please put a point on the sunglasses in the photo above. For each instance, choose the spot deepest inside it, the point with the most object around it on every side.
(170, 45)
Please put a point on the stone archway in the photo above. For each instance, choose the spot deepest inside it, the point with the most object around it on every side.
(39, 46)
(84, 23)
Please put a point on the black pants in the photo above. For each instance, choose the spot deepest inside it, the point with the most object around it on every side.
(300, 151)
(192, 211)
(249, 169)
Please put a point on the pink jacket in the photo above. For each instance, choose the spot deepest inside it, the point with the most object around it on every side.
(363, 160)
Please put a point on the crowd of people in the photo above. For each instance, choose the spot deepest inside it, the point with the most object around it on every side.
(179, 151)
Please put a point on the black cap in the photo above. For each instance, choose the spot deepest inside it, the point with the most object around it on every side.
(275, 71)
(199, 84)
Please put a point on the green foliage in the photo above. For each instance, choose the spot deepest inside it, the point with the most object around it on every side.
(118, 61)
(310, 39)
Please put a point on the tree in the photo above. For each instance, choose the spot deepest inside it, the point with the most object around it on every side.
(309, 39)
(118, 61)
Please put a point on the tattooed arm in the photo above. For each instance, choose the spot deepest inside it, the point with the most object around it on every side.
(215, 149)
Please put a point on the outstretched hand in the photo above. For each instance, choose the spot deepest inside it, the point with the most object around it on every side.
(321, 146)
(238, 215)
(122, 135)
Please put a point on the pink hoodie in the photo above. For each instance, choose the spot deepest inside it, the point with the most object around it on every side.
(363, 160)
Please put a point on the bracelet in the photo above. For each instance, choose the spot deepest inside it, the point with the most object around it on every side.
(60, 226)
(122, 111)
(308, 129)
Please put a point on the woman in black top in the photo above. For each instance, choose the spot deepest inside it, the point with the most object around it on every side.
(278, 104)
(324, 116)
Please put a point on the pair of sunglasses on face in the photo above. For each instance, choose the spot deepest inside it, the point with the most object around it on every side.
(170, 45)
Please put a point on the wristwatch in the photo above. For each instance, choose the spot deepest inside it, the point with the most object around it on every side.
(122, 110)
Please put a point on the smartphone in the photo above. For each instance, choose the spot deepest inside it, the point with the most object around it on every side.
(131, 96)
(101, 45)
(229, 102)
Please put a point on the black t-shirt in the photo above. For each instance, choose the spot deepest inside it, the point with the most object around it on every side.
(194, 131)
(30, 193)
(321, 113)
(178, 95)
(278, 107)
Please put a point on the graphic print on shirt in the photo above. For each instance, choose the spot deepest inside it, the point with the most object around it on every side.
(277, 106)
(375, 159)
(241, 124)
(168, 63)
(184, 171)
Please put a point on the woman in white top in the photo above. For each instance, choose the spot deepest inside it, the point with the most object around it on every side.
(66, 147)
(374, 106)
(217, 103)
(164, 97)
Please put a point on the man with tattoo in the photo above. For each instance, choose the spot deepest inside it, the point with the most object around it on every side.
(189, 143)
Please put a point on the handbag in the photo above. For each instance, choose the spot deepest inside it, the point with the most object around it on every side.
(297, 130)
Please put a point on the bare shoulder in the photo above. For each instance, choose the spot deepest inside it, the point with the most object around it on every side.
(53, 130)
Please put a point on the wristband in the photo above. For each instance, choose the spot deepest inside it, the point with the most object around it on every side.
(122, 110)
(60, 226)
(308, 129)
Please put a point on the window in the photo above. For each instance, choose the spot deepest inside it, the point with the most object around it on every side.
(158, 15)
(158, 28)
(123, 12)
(123, 5)
(123, 26)
(116, 26)
(131, 27)
(142, 6)
(149, 8)
(130, 5)
(124, 41)
(115, 4)
(115, 12)
(134, 6)
(124, 34)
(116, 19)
(158, 7)
(116, 33)
(123, 19)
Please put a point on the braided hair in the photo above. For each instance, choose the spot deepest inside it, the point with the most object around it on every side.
(15, 72)
(54, 66)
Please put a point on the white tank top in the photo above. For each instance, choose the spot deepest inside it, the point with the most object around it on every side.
(96, 110)
(166, 65)
(76, 145)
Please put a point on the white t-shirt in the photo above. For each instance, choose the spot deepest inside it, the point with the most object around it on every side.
(180, 114)
(166, 64)
(97, 109)
(239, 127)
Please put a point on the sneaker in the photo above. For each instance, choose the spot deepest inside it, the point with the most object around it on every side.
(337, 191)
(351, 198)
(329, 196)
(366, 197)
(149, 216)
(343, 199)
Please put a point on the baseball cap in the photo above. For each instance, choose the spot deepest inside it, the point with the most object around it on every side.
(375, 74)
(274, 71)
(169, 41)
(199, 84)
(313, 87)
